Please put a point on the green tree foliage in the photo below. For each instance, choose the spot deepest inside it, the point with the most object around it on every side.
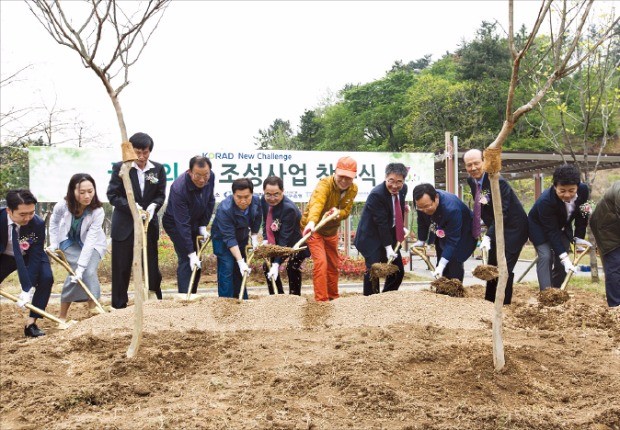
(278, 136)
(310, 128)
(14, 170)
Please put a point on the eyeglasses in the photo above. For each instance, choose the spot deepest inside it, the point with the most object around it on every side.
(272, 196)
(206, 176)
(393, 182)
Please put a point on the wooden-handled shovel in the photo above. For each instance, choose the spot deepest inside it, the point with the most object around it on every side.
(146, 219)
(59, 257)
(576, 258)
(327, 217)
(200, 249)
(383, 270)
(245, 275)
(421, 252)
(62, 325)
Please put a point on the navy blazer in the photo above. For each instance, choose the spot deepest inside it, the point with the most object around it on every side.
(454, 218)
(189, 207)
(232, 226)
(154, 192)
(515, 218)
(549, 221)
(287, 215)
(34, 256)
(375, 230)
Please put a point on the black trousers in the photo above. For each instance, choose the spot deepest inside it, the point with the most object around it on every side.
(392, 282)
(293, 270)
(511, 261)
(122, 259)
(44, 284)
(454, 269)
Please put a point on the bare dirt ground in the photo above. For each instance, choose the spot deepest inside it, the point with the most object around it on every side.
(402, 360)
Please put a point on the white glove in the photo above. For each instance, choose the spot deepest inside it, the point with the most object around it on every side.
(243, 267)
(202, 231)
(309, 228)
(438, 273)
(139, 207)
(79, 274)
(568, 265)
(274, 271)
(485, 244)
(582, 242)
(151, 210)
(194, 261)
(52, 248)
(391, 255)
(334, 210)
(265, 242)
(406, 231)
(25, 297)
(419, 244)
(255, 241)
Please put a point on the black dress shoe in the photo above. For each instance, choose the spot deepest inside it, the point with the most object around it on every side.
(33, 331)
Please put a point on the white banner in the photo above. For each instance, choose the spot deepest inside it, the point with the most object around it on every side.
(51, 169)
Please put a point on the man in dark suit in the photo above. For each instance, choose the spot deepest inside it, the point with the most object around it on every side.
(281, 227)
(148, 180)
(515, 220)
(189, 210)
(451, 222)
(22, 240)
(551, 225)
(381, 227)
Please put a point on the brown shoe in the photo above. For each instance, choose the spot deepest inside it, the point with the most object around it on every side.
(33, 331)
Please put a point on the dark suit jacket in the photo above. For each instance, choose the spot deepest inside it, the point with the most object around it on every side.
(454, 218)
(375, 230)
(288, 215)
(122, 221)
(34, 256)
(515, 218)
(548, 219)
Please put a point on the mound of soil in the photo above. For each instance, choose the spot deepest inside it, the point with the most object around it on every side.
(400, 360)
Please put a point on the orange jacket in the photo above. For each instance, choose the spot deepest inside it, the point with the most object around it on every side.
(325, 196)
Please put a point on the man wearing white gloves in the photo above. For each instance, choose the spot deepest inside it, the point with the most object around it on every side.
(148, 180)
(22, 238)
(514, 217)
(187, 216)
(238, 217)
(551, 225)
(281, 227)
(382, 227)
(451, 221)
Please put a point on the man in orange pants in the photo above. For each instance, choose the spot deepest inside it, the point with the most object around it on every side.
(334, 193)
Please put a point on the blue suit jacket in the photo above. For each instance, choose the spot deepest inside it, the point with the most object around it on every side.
(515, 218)
(375, 230)
(288, 215)
(35, 256)
(454, 218)
(548, 219)
(232, 226)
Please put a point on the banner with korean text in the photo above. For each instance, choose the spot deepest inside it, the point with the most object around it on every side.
(51, 168)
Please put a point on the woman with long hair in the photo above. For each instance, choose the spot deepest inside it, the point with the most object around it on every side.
(76, 228)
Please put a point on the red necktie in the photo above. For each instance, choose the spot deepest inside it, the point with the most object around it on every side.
(271, 238)
(398, 220)
(475, 228)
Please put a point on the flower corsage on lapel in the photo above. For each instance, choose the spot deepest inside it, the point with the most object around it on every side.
(25, 242)
(275, 225)
(151, 178)
(484, 197)
(438, 232)
(587, 208)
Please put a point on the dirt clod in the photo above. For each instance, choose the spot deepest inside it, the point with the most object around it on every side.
(486, 272)
(553, 297)
(449, 287)
(382, 270)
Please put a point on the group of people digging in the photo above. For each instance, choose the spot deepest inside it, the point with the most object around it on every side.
(78, 239)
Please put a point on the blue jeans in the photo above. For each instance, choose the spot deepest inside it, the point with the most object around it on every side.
(228, 274)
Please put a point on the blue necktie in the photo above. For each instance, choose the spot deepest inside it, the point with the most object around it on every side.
(22, 272)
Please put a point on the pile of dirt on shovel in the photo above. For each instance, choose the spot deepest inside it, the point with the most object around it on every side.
(553, 297)
(382, 270)
(486, 272)
(449, 287)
